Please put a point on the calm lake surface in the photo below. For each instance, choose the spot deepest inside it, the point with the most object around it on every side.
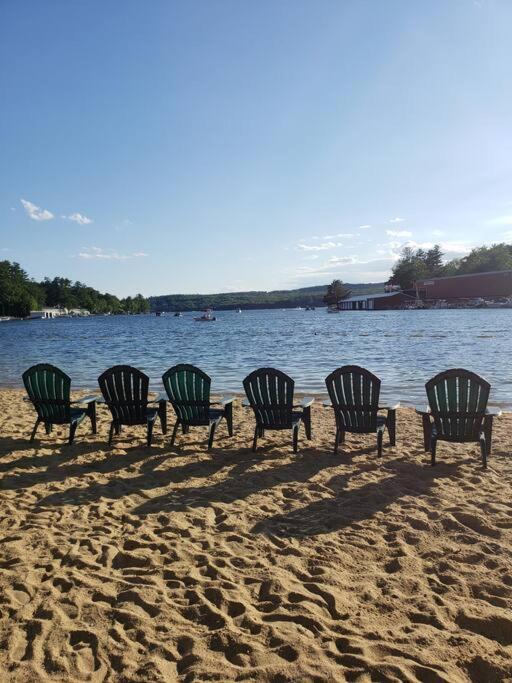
(404, 348)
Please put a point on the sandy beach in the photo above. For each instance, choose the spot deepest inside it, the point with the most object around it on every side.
(182, 565)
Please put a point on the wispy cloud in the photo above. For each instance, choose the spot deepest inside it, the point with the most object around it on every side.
(35, 212)
(364, 227)
(501, 220)
(318, 247)
(78, 218)
(399, 233)
(345, 235)
(108, 254)
(342, 260)
(396, 219)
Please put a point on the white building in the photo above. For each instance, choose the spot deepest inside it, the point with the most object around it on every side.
(46, 313)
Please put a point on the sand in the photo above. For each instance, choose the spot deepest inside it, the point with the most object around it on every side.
(182, 565)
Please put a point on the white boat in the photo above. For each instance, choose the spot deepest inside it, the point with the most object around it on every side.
(333, 310)
(207, 316)
(238, 310)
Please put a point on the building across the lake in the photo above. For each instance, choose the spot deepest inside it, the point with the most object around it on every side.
(492, 285)
(386, 301)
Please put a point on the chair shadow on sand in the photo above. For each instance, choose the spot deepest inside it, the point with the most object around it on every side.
(346, 507)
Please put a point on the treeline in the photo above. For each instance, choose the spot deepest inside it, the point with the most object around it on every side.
(418, 264)
(306, 296)
(19, 295)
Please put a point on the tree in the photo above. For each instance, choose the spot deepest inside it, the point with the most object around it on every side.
(417, 265)
(336, 292)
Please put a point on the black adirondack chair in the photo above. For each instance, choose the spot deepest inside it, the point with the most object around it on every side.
(188, 391)
(270, 395)
(48, 389)
(458, 412)
(354, 396)
(125, 392)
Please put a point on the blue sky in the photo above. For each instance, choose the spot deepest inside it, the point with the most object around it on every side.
(223, 145)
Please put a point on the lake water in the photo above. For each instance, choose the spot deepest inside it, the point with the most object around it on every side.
(404, 348)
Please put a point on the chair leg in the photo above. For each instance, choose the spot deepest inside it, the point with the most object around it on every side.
(391, 422)
(91, 412)
(433, 448)
(111, 433)
(336, 441)
(48, 427)
(151, 424)
(307, 422)
(118, 428)
(174, 432)
(380, 437)
(72, 430)
(185, 429)
(255, 440)
(213, 426)
(488, 433)
(296, 438)
(33, 435)
(228, 413)
(427, 432)
(162, 414)
(483, 449)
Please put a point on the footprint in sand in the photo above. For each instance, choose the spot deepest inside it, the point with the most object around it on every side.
(84, 645)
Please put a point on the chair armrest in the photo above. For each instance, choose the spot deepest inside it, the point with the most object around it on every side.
(93, 398)
(307, 402)
(390, 406)
(162, 396)
(226, 400)
(327, 404)
(27, 399)
(493, 412)
(424, 410)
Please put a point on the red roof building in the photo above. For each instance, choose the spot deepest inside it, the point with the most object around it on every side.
(493, 285)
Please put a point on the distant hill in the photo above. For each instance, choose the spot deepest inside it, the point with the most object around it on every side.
(281, 298)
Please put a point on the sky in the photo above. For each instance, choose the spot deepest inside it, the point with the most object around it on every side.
(218, 145)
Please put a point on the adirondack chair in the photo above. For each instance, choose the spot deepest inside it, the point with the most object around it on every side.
(457, 412)
(188, 391)
(48, 389)
(354, 396)
(125, 392)
(270, 395)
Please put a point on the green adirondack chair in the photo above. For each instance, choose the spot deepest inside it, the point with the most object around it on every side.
(270, 395)
(458, 412)
(354, 394)
(188, 391)
(125, 392)
(49, 389)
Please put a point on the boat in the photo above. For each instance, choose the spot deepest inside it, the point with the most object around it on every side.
(206, 317)
(177, 314)
(309, 308)
(333, 309)
(238, 310)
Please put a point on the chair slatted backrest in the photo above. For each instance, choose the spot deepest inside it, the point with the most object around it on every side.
(125, 390)
(270, 394)
(458, 401)
(354, 393)
(49, 390)
(188, 389)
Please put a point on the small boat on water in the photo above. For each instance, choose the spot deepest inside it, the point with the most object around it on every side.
(238, 310)
(333, 309)
(177, 314)
(206, 317)
(309, 308)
